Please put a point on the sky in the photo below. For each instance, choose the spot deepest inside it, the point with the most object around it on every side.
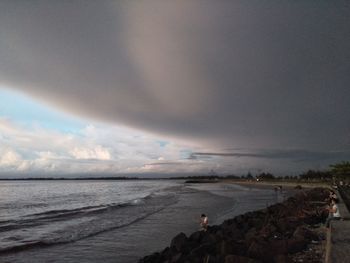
(173, 87)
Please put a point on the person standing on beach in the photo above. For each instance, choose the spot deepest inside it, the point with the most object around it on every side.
(333, 212)
(204, 222)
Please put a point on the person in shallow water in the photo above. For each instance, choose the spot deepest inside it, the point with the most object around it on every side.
(204, 222)
(333, 212)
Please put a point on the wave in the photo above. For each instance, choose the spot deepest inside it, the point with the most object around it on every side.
(63, 214)
(45, 243)
(69, 225)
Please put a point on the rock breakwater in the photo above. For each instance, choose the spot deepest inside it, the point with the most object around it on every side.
(270, 235)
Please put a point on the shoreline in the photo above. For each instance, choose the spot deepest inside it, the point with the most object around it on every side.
(272, 184)
(283, 232)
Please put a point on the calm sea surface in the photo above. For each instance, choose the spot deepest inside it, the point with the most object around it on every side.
(110, 221)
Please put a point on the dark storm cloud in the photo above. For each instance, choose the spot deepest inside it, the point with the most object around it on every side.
(242, 73)
(294, 155)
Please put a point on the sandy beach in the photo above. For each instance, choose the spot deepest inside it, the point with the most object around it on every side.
(273, 184)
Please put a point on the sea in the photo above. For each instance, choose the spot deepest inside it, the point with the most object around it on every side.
(112, 220)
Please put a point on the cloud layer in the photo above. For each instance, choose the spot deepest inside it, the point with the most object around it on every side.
(292, 155)
(110, 150)
(93, 150)
(250, 74)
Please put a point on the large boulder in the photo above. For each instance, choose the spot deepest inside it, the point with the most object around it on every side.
(202, 250)
(303, 233)
(296, 244)
(196, 237)
(287, 225)
(257, 250)
(179, 242)
(266, 250)
(226, 247)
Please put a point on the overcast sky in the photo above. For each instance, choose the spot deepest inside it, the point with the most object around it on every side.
(232, 85)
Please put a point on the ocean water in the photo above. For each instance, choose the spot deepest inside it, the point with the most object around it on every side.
(111, 221)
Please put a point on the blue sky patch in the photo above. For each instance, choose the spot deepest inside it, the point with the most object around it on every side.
(28, 112)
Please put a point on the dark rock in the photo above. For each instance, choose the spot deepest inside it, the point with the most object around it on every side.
(197, 236)
(287, 225)
(232, 231)
(257, 250)
(179, 241)
(229, 222)
(176, 258)
(250, 236)
(213, 229)
(237, 247)
(154, 258)
(226, 247)
(282, 259)
(312, 218)
(266, 250)
(257, 222)
(223, 248)
(209, 238)
(277, 247)
(317, 194)
(167, 253)
(203, 250)
(220, 234)
(296, 244)
(239, 259)
(303, 232)
(268, 230)
(212, 259)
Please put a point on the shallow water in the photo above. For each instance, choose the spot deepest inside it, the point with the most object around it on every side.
(111, 221)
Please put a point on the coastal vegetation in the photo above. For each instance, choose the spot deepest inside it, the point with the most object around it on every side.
(341, 170)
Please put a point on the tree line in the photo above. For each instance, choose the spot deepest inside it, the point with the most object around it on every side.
(338, 171)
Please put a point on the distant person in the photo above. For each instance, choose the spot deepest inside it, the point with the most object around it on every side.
(333, 212)
(333, 195)
(204, 222)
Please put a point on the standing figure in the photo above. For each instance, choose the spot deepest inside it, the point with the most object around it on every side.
(333, 212)
(204, 222)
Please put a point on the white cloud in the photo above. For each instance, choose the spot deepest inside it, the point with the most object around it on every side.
(93, 149)
(10, 158)
(98, 153)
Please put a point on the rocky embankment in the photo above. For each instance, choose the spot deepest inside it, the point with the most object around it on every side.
(275, 234)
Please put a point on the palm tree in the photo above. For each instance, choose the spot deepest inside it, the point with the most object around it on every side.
(341, 170)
